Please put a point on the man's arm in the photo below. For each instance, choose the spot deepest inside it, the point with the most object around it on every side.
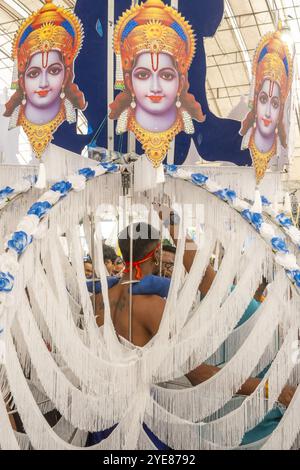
(205, 372)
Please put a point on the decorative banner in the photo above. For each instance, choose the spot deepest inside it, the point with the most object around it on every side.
(266, 127)
(44, 49)
(154, 46)
(215, 139)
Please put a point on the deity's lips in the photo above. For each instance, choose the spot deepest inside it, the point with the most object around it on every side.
(267, 122)
(155, 98)
(43, 93)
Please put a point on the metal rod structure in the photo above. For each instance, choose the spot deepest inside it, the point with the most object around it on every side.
(131, 255)
(92, 221)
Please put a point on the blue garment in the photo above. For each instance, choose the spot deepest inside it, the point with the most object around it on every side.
(149, 285)
(251, 309)
(265, 428)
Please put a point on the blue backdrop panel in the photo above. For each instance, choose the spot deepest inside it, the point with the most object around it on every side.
(216, 139)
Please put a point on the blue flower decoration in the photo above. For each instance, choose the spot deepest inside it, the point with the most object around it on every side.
(63, 187)
(247, 215)
(199, 179)
(88, 173)
(19, 242)
(110, 167)
(284, 220)
(279, 244)
(5, 192)
(40, 209)
(6, 283)
(226, 195)
(265, 201)
(296, 276)
(257, 220)
(171, 169)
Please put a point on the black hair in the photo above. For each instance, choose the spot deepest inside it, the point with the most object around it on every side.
(145, 237)
(88, 259)
(109, 253)
(169, 248)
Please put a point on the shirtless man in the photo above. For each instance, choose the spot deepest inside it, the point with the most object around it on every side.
(147, 310)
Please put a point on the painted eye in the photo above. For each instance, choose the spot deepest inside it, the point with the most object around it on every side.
(143, 75)
(263, 98)
(275, 102)
(169, 76)
(33, 73)
(55, 70)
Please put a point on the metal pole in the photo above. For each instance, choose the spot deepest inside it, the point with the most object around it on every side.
(131, 256)
(92, 221)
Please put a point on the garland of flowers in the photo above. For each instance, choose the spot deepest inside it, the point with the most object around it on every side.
(278, 244)
(30, 226)
(8, 194)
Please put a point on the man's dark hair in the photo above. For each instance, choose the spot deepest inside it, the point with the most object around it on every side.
(144, 237)
(169, 249)
(109, 254)
(88, 259)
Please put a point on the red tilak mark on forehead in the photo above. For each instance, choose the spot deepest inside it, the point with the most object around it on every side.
(45, 58)
(154, 61)
(271, 89)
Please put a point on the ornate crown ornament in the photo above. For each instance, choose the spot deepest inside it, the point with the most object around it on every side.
(51, 28)
(273, 61)
(152, 27)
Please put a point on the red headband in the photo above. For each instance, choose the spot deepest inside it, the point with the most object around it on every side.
(136, 264)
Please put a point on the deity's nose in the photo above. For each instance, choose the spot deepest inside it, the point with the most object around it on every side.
(155, 84)
(44, 83)
(268, 109)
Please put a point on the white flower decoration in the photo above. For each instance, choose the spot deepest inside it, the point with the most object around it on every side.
(211, 186)
(287, 261)
(267, 231)
(50, 196)
(9, 263)
(22, 187)
(29, 224)
(99, 171)
(78, 182)
(41, 230)
(183, 174)
(294, 233)
(240, 205)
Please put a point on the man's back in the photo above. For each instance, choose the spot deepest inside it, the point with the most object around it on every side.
(147, 311)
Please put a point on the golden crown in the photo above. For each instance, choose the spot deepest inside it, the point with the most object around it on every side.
(154, 27)
(50, 28)
(273, 61)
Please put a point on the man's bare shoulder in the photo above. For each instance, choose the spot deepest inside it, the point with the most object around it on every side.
(147, 302)
(149, 310)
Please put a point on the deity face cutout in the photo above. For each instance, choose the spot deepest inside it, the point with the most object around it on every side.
(43, 79)
(155, 90)
(268, 108)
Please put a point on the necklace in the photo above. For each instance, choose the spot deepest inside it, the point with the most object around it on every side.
(40, 135)
(155, 144)
(261, 159)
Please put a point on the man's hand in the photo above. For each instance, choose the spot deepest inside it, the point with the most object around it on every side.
(164, 212)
